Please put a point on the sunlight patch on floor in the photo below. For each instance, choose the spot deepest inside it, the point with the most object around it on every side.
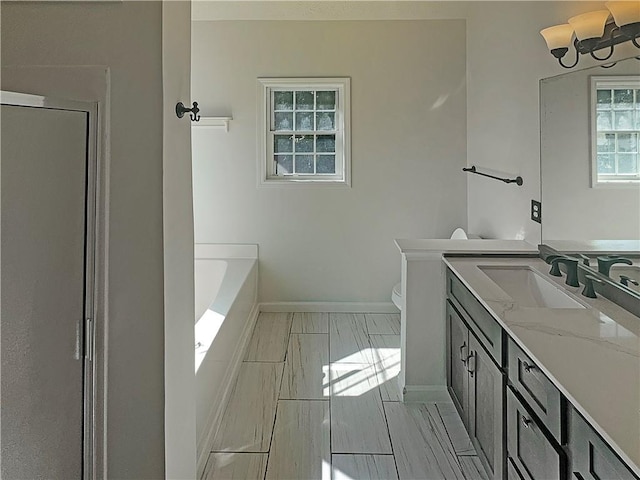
(349, 378)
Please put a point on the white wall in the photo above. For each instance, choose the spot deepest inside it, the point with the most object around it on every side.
(573, 209)
(506, 58)
(408, 147)
(126, 37)
(179, 341)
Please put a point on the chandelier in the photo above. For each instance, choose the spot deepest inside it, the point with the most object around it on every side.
(595, 31)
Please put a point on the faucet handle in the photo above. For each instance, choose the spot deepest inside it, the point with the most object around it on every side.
(585, 259)
(589, 291)
(624, 280)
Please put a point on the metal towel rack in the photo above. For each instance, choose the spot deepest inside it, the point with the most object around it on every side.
(518, 180)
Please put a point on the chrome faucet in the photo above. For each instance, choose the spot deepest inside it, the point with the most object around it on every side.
(572, 269)
(605, 263)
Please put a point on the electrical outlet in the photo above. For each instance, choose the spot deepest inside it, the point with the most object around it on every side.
(536, 211)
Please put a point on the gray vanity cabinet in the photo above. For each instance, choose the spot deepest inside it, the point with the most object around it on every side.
(526, 430)
(474, 378)
(591, 457)
(537, 391)
(533, 454)
(458, 351)
(535, 418)
(476, 384)
(486, 383)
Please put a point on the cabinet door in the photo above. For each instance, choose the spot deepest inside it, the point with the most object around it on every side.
(591, 457)
(486, 425)
(533, 454)
(512, 471)
(457, 353)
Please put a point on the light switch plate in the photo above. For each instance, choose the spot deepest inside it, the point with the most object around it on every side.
(536, 211)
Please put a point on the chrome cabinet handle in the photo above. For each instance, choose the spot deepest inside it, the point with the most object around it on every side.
(526, 422)
(528, 367)
(463, 347)
(471, 369)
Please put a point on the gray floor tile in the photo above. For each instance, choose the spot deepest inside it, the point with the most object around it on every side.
(358, 423)
(269, 339)
(310, 323)
(306, 371)
(348, 339)
(386, 352)
(383, 323)
(363, 467)
(247, 422)
(455, 429)
(236, 466)
(416, 444)
(300, 448)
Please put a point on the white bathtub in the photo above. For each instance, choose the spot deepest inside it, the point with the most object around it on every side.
(225, 306)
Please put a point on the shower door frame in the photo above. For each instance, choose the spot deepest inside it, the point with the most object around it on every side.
(93, 318)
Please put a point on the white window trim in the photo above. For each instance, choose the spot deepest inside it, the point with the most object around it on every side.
(612, 81)
(343, 120)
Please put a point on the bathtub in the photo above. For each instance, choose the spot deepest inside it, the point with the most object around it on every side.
(225, 311)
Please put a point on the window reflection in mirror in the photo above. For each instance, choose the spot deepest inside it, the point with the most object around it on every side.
(590, 165)
(615, 130)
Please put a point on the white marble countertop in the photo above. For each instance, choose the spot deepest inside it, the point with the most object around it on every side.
(430, 245)
(592, 355)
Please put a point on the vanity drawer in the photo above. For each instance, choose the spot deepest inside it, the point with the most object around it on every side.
(537, 390)
(535, 456)
(486, 328)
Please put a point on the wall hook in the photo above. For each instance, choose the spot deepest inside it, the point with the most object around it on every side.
(181, 110)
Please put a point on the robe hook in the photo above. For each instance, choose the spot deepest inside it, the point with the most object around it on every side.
(181, 110)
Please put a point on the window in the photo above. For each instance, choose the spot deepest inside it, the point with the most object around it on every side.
(615, 130)
(304, 131)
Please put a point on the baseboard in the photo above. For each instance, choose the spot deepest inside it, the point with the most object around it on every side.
(215, 416)
(425, 393)
(330, 307)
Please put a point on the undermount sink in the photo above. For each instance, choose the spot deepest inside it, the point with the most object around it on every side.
(528, 288)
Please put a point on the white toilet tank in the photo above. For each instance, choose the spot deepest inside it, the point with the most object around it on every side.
(396, 293)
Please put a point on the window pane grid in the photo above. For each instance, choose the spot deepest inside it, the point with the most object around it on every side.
(300, 115)
(618, 132)
(294, 154)
(305, 130)
(301, 104)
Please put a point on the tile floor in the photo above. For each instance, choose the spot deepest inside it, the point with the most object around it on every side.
(317, 398)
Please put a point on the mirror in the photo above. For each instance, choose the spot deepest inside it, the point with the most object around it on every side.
(590, 159)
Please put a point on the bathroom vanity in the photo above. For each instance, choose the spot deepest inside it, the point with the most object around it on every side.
(547, 381)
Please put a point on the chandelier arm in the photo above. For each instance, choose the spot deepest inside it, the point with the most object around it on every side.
(605, 58)
(574, 63)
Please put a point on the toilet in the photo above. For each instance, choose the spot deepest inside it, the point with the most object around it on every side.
(396, 293)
